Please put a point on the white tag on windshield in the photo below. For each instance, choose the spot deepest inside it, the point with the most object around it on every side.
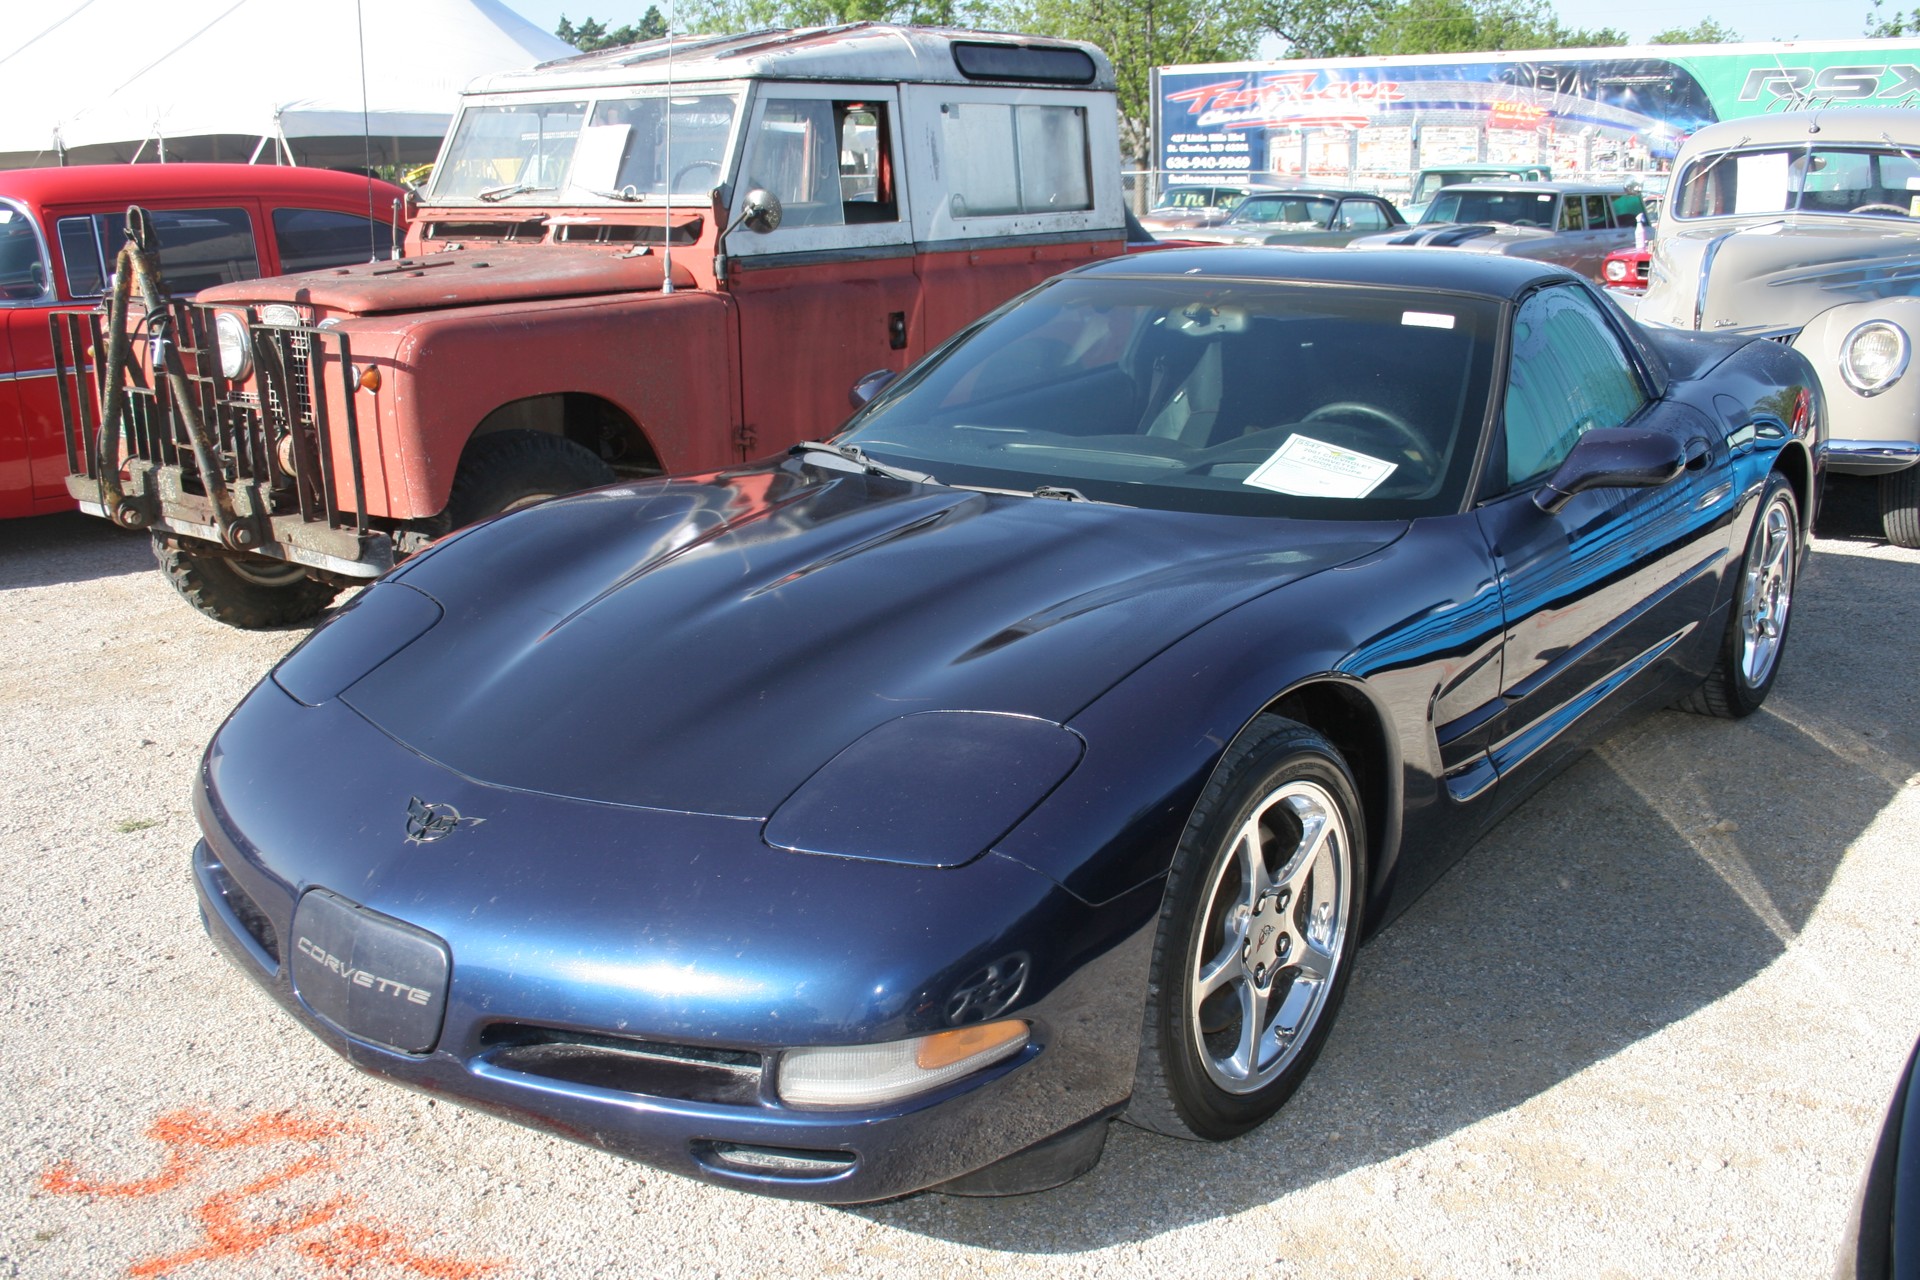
(1309, 468)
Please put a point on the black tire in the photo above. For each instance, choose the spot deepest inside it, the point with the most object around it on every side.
(1271, 944)
(1762, 609)
(1900, 507)
(253, 593)
(514, 469)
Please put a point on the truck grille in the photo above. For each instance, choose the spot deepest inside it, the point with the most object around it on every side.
(271, 441)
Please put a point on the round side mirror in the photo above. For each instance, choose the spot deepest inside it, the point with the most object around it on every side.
(761, 212)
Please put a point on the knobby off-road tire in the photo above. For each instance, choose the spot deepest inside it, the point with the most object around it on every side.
(1257, 936)
(250, 592)
(1900, 507)
(515, 469)
(1749, 658)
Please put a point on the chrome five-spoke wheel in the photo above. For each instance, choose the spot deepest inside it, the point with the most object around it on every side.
(1258, 926)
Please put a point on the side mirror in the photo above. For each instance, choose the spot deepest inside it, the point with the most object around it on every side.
(869, 385)
(1613, 457)
(762, 211)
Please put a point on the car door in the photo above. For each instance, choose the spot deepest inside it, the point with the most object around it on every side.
(831, 293)
(1598, 594)
(32, 457)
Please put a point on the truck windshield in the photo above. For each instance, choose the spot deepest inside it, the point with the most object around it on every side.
(582, 152)
(1883, 181)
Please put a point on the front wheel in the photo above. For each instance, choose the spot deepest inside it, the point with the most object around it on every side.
(1749, 658)
(513, 469)
(250, 592)
(1900, 507)
(1256, 938)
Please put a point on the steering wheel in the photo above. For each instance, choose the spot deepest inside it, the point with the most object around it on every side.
(1412, 441)
(1881, 208)
(680, 177)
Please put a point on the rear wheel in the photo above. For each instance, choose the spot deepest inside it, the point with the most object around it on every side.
(1256, 938)
(513, 469)
(1900, 507)
(1749, 659)
(250, 592)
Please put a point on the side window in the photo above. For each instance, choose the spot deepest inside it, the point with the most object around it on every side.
(1362, 215)
(1570, 215)
(1567, 375)
(83, 252)
(825, 160)
(199, 248)
(1015, 159)
(312, 239)
(1598, 214)
(23, 274)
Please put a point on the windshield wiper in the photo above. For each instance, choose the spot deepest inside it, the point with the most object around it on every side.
(511, 189)
(861, 462)
(1060, 493)
(629, 193)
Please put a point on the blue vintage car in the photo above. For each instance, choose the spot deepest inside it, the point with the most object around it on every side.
(895, 812)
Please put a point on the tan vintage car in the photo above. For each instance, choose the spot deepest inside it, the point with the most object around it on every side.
(1807, 224)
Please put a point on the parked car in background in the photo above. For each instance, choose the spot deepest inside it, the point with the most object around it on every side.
(1427, 183)
(1305, 216)
(654, 259)
(1625, 270)
(1037, 750)
(1574, 224)
(1882, 1240)
(1806, 226)
(1186, 206)
(60, 230)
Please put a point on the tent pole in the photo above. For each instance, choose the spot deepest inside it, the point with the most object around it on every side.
(258, 147)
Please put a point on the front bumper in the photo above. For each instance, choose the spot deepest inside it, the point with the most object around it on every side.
(627, 978)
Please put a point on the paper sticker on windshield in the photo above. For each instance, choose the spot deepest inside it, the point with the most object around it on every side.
(1309, 468)
(1427, 319)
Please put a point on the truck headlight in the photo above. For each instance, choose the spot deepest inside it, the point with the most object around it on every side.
(236, 349)
(1873, 356)
(867, 1075)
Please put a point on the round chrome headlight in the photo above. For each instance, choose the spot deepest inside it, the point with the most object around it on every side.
(1616, 270)
(1873, 356)
(236, 349)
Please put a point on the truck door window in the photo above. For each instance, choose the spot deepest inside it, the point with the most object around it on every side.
(827, 161)
(1015, 159)
(199, 248)
(313, 239)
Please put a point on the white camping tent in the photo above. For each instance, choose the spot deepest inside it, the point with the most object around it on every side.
(317, 82)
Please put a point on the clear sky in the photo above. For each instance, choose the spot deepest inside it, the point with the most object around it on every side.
(1753, 19)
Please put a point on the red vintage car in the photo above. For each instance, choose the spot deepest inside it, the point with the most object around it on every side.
(60, 230)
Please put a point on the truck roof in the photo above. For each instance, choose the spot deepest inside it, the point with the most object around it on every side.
(131, 182)
(860, 51)
(1834, 126)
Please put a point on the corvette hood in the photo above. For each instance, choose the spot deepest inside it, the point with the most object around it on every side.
(1776, 273)
(706, 644)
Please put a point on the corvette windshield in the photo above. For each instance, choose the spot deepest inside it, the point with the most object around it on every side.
(1232, 396)
(1883, 181)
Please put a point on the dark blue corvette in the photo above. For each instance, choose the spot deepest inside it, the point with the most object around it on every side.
(893, 813)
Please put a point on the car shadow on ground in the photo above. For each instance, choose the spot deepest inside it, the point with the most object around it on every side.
(43, 551)
(1661, 872)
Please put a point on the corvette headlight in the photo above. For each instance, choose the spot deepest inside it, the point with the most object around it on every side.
(930, 789)
(236, 349)
(1873, 356)
(865, 1075)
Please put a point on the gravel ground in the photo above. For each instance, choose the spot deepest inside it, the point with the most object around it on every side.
(1646, 1028)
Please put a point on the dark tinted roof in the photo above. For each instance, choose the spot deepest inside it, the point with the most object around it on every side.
(1490, 275)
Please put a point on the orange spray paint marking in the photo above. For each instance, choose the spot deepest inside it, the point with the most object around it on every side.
(350, 1248)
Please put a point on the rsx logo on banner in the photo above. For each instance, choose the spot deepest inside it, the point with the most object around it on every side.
(1837, 84)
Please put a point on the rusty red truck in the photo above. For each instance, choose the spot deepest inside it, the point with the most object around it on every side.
(663, 258)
